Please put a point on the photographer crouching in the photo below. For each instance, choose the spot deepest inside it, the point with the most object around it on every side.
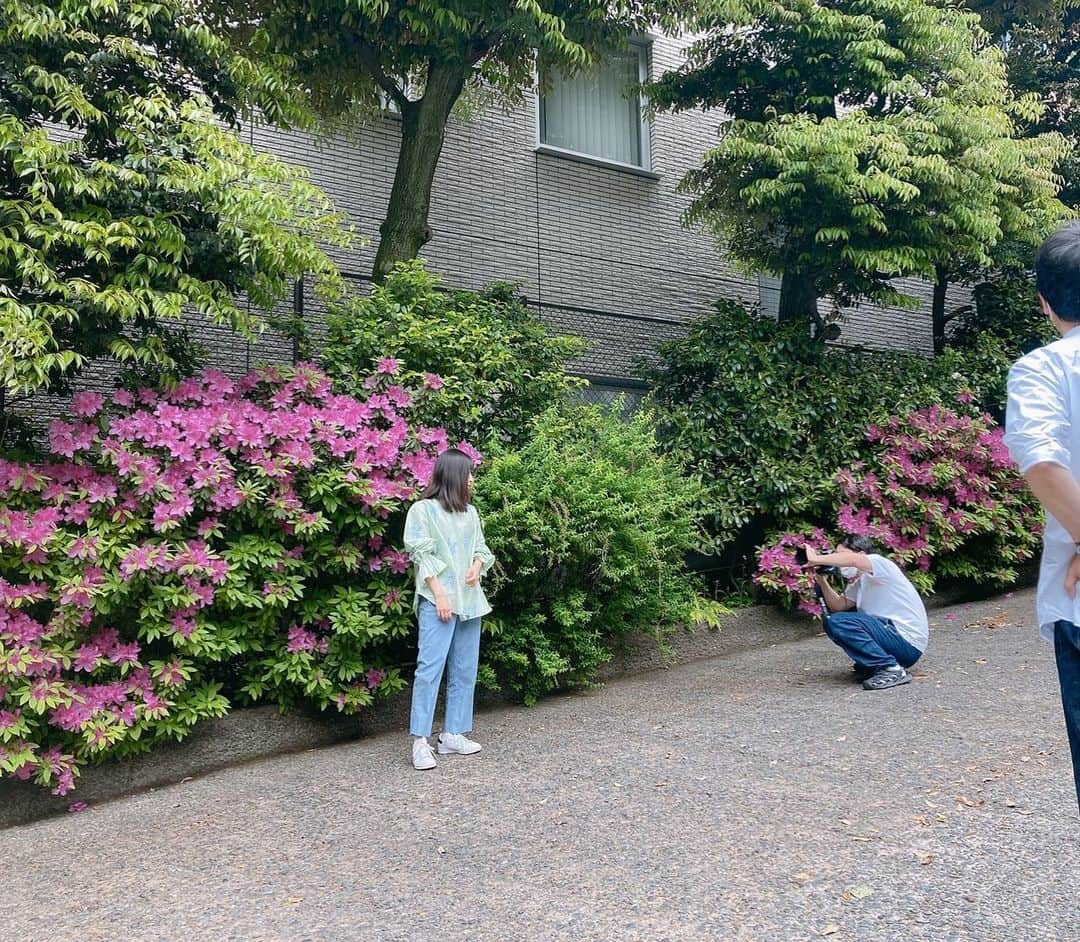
(879, 621)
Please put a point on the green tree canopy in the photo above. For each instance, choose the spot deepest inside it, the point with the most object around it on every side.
(126, 198)
(421, 56)
(868, 139)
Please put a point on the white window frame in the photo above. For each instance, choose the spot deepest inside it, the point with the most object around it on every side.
(643, 47)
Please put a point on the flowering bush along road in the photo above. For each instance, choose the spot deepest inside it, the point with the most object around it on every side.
(221, 541)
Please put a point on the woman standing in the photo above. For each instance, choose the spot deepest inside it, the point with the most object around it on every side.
(445, 541)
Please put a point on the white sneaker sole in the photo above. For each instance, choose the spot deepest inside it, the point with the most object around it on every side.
(447, 751)
(421, 767)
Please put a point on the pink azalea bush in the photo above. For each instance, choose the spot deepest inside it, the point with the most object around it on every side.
(222, 541)
(780, 575)
(939, 494)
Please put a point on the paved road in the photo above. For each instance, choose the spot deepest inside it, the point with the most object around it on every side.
(756, 797)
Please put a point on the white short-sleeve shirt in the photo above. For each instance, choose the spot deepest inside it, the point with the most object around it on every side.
(887, 593)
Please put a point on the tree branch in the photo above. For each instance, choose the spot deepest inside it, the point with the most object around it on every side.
(370, 61)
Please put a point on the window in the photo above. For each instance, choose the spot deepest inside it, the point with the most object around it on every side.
(599, 112)
(769, 295)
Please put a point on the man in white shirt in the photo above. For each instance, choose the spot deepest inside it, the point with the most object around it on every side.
(879, 621)
(1044, 395)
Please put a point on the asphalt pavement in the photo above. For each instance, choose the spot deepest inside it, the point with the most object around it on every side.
(759, 796)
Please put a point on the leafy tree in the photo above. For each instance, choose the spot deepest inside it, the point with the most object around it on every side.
(868, 140)
(1043, 58)
(125, 197)
(421, 56)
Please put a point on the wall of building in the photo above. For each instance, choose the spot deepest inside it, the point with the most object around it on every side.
(599, 250)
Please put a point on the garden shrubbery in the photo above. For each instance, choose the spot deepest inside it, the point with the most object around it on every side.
(765, 415)
(220, 541)
(490, 364)
(590, 526)
(227, 542)
(938, 493)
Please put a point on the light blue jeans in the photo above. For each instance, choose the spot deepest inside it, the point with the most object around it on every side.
(454, 645)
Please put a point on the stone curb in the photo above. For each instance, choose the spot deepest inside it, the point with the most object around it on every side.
(261, 732)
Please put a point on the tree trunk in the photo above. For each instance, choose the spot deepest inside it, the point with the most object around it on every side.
(798, 300)
(423, 129)
(941, 289)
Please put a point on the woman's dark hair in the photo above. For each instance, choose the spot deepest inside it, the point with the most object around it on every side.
(449, 483)
(1057, 272)
(860, 544)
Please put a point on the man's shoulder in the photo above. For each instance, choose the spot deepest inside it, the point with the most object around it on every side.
(882, 566)
(1064, 348)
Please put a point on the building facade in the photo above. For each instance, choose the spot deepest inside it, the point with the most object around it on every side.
(573, 196)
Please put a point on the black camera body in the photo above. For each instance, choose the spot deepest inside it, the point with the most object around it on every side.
(800, 558)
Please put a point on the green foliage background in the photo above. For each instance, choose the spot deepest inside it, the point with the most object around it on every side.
(590, 526)
(126, 200)
(764, 416)
(500, 365)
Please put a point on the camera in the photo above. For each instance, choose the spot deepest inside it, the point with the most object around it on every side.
(800, 558)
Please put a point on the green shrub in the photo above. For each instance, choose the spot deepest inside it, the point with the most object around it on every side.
(590, 526)
(1007, 308)
(765, 416)
(492, 364)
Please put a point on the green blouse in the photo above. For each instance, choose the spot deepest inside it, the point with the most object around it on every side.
(444, 544)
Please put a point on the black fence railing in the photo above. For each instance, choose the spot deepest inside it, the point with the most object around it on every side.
(604, 387)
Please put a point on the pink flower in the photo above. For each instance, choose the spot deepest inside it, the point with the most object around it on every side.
(76, 806)
(374, 677)
(300, 639)
(86, 658)
(87, 404)
(433, 381)
(387, 366)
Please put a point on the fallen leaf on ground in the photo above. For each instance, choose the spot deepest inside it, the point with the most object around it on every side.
(926, 859)
(801, 878)
(442, 850)
(294, 900)
(969, 802)
(830, 929)
(866, 838)
(857, 892)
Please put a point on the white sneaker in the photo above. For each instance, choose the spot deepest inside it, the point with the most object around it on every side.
(456, 743)
(422, 756)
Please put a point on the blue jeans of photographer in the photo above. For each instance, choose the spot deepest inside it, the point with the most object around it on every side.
(870, 641)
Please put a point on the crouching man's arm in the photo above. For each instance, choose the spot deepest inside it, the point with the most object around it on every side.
(833, 599)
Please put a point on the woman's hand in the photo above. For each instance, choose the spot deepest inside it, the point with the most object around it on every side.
(442, 607)
(472, 577)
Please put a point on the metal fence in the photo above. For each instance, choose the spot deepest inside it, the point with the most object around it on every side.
(618, 340)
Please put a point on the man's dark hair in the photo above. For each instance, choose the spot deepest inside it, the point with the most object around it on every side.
(860, 544)
(1057, 272)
